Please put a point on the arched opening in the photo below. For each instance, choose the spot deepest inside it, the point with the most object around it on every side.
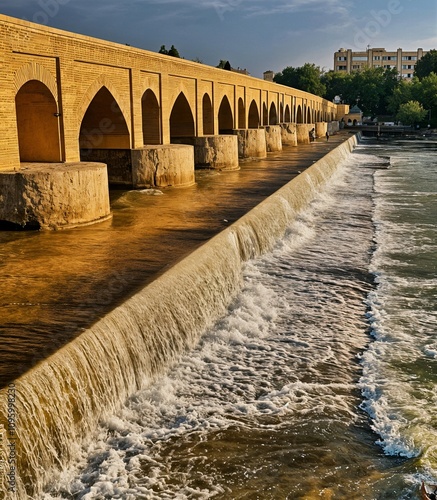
(151, 118)
(299, 115)
(208, 117)
(281, 113)
(354, 122)
(253, 115)
(104, 137)
(287, 116)
(265, 115)
(226, 122)
(181, 120)
(309, 117)
(37, 123)
(241, 114)
(273, 117)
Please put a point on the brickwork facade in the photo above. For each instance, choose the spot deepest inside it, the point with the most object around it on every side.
(74, 90)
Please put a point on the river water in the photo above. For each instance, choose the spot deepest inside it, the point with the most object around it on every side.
(319, 382)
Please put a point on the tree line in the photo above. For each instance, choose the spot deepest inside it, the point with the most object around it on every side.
(377, 91)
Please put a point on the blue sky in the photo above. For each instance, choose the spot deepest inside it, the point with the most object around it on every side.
(258, 35)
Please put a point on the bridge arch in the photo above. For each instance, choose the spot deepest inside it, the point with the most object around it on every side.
(299, 114)
(37, 123)
(273, 117)
(253, 118)
(287, 116)
(241, 114)
(265, 115)
(33, 71)
(151, 118)
(207, 115)
(181, 119)
(103, 125)
(225, 119)
(85, 100)
(309, 115)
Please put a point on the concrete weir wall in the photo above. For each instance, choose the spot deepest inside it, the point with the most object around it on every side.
(62, 399)
(55, 196)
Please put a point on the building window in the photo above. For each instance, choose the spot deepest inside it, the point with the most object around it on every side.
(341, 68)
(341, 58)
(409, 58)
(376, 58)
(359, 58)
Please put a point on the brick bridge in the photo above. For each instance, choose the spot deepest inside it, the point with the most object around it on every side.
(70, 103)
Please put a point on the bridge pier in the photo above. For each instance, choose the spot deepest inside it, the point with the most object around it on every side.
(251, 143)
(273, 138)
(321, 129)
(54, 195)
(219, 152)
(303, 132)
(163, 165)
(288, 133)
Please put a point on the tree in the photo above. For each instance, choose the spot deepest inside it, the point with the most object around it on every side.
(172, 52)
(401, 95)
(426, 65)
(411, 113)
(371, 88)
(339, 84)
(306, 77)
(223, 64)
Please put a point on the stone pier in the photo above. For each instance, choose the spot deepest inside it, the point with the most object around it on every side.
(163, 166)
(54, 195)
(288, 133)
(251, 143)
(273, 138)
(219, 152)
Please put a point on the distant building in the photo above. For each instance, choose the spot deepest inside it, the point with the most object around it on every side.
(269, 75)
(404, 61)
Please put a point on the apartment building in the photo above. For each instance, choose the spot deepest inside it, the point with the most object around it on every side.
(404, 61)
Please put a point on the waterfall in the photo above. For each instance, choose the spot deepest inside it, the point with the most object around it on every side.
(59, 402)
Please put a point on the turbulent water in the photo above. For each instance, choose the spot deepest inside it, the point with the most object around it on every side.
(320, 382)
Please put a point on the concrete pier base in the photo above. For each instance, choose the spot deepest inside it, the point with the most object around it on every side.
(273, 138)
(251, 143)
(321, 129)
(303, 132)
(54, 195)
(288, 134)
(333, 127)
(163, 166)
(219, 152)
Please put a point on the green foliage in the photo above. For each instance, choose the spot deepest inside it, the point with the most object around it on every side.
(223, 64)
(426, 65)
(370, 88)
(411, 113)
(173, 51)
(306, 77)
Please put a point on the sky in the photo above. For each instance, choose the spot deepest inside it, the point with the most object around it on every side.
(257, 35)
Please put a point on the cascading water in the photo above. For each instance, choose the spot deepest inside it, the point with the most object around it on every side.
(62, 399)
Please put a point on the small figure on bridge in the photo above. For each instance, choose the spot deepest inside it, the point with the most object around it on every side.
(327, 135)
